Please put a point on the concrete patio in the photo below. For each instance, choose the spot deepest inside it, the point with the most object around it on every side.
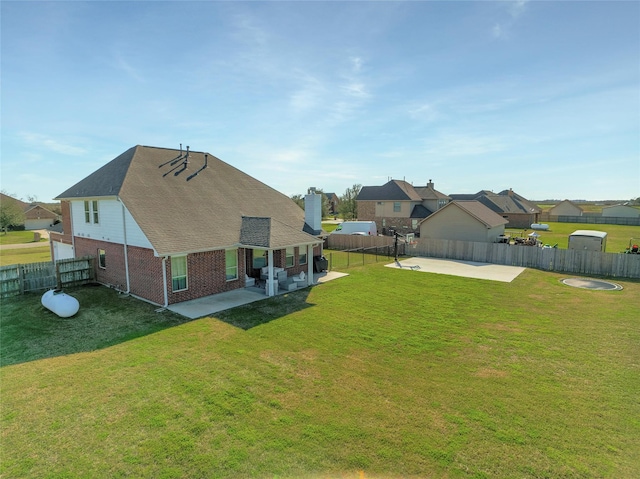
(208, 305)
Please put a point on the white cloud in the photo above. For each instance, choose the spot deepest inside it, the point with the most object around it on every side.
(456, 145)
(356, 89)
(497, 31)
(35, 140)
(424, 112)
(356, 64)
(309, 95)
(121, 64)
(515, 9)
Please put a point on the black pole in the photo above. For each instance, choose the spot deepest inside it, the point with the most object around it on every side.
(395, 247)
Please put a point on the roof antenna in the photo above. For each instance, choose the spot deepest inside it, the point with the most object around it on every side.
(203, 167)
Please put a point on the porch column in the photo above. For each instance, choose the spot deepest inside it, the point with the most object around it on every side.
(309, 264)
(271, 281)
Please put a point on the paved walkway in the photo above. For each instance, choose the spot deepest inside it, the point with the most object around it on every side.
(467, 269)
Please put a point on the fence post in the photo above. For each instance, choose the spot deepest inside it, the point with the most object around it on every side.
(58, 277)
(21, 278)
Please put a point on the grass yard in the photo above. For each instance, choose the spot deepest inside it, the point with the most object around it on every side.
(25, 255)
(19, 237)
(618, 236)
(382, 374)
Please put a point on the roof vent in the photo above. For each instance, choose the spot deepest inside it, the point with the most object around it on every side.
(180, 161)
(203, 167)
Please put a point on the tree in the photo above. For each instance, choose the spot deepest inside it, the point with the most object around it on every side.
(299, 200)
(10, 214)
(348, 206)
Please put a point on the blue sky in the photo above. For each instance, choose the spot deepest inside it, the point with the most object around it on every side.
(539, 96)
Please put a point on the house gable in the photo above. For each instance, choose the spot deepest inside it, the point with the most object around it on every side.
(466, 220)
(179, 211)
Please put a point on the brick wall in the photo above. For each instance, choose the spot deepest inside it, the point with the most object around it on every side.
(145, 274)
(206, 272)
(519, 220)
(401, 225)
(367, 211)
(114, 273)
(65, 207)
(207, 275)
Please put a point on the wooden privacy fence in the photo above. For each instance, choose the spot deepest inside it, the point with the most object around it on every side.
(616, 265)
(358, 242)
(23, 278)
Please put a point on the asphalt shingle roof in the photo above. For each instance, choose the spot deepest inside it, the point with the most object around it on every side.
(475, 209)
(394, 190)
(203, 213)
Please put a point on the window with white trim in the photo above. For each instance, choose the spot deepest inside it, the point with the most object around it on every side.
(102, 258)
(94, 207)
(178, 273)
(397, 206)
(91, 211)
(290, 260)
(231, 262)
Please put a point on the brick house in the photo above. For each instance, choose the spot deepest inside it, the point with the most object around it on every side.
(516, 209)
(170, 225)
(37, 217)
(398, 205)
(334, 201)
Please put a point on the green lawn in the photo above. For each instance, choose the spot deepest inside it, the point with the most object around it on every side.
(18, 237)
(618, 236)
(25, 255)
(382, 374)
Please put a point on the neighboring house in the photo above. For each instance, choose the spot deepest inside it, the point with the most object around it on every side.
(333, 200)
(463, 221)
(37, 217)
(168, 226)
(519, 211)
(398, 205)
(565, 208)
(621, 211)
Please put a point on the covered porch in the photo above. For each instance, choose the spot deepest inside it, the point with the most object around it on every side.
(210, 305)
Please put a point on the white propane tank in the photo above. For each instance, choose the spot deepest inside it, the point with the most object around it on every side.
(539, 226)
(60, 303)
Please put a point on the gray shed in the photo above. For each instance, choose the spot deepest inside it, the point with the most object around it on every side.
(589, 240)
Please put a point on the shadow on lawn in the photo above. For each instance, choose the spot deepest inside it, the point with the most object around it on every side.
(267, 310)
(30, 332)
